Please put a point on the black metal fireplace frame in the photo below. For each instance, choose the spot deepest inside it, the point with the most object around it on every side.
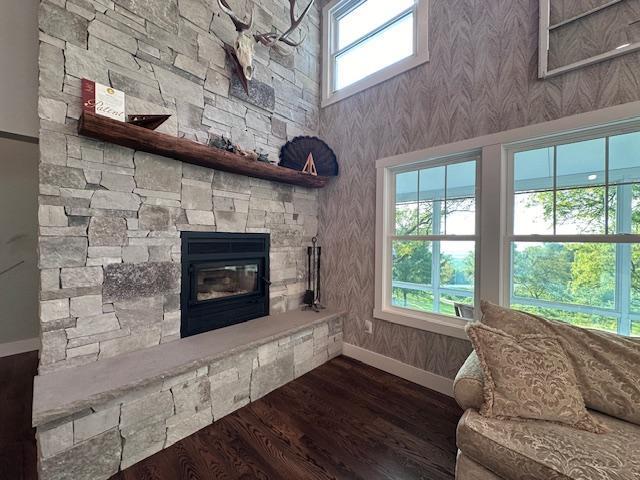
(209, 248)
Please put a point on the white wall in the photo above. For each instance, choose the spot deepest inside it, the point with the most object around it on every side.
(18, 240)
(19, 67)
(18, 172)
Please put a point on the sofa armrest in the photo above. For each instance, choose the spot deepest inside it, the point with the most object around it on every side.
(468, 386)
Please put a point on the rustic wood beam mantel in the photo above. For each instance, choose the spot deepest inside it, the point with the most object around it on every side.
(139, 138)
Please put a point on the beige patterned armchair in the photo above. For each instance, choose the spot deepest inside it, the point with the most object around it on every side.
(492, 449)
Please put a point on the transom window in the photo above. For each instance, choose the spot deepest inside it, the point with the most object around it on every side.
(433, 244)
(574, 206)
(369, 41)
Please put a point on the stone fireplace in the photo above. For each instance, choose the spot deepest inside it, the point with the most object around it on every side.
(225, 280)
(119, 372)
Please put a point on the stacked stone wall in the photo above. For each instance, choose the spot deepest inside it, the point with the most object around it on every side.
(109, 217)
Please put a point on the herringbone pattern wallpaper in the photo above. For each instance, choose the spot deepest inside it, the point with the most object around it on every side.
(482, 78)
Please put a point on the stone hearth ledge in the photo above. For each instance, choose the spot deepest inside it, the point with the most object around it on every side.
(75, 391)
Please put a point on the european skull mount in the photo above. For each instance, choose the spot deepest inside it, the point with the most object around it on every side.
(243, 50)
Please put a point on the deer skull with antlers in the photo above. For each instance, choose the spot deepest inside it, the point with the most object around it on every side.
(245, 42)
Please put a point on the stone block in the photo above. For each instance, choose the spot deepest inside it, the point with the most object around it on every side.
(163, 13)
(107, 231)
(86, 306)
(115, 200)
(94, 325)
(56, 252)
(82, 63)
(105, 252)
(191, 66)
(61, 176)
(143, 443)
(171, 324)
(196, 195)
(52, 216)
(96, 423)
(62, 24)
(198, 12)
(53, 149)
(149, 409)
(154, 172)
(135, 254)
(217, 83)
(81, 277)
(224, 204)
(279, 128)
(260, 94)
(117, 182)
(52, 110)
(231, 221)
(189, 116)
(268, 378)
(173, 86)
(117, 38)
(54, 346)
(102, 460)
(117, 155)
(55, 440)
(229, 392)
(51, 68)
(180, 427)
(90, 349)
(192, 397)
(139, 313)
(123, 281)
(200, 217)
(152, 217)
(196, 172)
(136, 341)
(303, 351)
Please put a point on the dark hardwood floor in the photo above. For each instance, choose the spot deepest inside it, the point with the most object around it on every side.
(17, 438)
(344, 420)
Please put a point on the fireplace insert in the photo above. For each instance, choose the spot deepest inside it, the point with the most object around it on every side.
(225, 280)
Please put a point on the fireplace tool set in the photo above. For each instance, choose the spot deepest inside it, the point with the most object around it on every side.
(312, 297)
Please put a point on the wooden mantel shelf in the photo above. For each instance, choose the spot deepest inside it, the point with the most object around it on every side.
(138, 138)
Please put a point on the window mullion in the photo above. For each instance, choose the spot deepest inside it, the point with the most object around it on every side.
(435, 253)
(623, 260)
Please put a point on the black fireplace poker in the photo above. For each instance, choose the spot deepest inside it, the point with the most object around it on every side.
(312, 299)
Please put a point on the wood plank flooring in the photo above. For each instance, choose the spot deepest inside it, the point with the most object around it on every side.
(17, 438)
(344, 420)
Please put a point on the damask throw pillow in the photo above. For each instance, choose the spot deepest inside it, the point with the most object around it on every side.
(606, 365)
(529, 377)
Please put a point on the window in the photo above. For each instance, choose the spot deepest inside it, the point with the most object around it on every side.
(369, 41)
(544, 218)
(574, 205)
(432, 239)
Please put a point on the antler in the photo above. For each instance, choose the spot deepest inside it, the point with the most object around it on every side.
(241, 25)
(271, 38)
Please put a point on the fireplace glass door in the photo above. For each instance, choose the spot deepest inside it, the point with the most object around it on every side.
(218, 281)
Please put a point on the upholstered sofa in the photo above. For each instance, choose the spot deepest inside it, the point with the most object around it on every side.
(493, 449)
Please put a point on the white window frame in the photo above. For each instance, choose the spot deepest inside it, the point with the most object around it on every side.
(332, 12)
(544, 38)
(493, 209)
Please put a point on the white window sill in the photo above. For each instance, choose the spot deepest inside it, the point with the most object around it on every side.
(429, 322)
(376, 78)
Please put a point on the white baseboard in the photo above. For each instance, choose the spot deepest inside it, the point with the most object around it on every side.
(19, 346)
(395, 367)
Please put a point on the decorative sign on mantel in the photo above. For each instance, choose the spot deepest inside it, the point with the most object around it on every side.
(102, 100)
